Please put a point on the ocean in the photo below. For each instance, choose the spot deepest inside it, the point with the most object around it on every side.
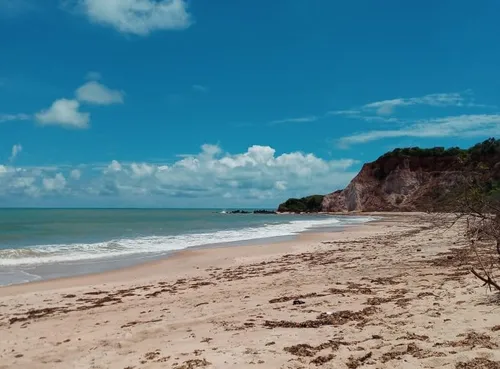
(40, 244)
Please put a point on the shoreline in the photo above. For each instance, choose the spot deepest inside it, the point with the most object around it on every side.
(151, 268)
(114, 264)
(393, 293)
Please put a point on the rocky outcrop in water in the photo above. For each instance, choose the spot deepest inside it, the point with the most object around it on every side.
(251, 212)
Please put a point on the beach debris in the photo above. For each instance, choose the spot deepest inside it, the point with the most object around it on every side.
(411, 349)
(412, 336)
(298, 302)
(472, 340)
(152, 355)
(385, 280)
(322, 359)
(306, 350)
(353, 363)
(478, 363)
(295, 298)
(378, 300)
(302, 349)
(352, 288)
(201, 284)
(335, 319)
(192, 364)
(403, 303)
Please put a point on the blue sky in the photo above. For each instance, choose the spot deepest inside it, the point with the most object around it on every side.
(220, 103)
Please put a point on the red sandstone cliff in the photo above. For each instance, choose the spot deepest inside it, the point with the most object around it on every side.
(407, 183)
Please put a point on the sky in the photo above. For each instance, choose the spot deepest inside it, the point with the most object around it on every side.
(195, 103)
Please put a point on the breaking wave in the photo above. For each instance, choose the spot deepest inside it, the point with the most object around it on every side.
(43, 254)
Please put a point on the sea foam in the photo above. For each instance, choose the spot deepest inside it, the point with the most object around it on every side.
(43, 254)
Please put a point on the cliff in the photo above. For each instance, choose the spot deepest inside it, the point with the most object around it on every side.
(415, 179)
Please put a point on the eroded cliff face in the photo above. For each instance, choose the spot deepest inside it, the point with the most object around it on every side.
(414, 179)
(399, 184)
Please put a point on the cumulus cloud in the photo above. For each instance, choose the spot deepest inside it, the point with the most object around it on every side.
(472, 125)
(65, 113)
(56, 183)
(16, 149)
(142, 169)
(75, 174)
(211, 177)
(139, 17)
(114, 166)
(94, 92)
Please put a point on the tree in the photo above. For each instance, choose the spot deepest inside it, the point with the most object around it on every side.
(480, 207)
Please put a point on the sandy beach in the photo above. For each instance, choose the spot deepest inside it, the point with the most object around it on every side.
(394, 293)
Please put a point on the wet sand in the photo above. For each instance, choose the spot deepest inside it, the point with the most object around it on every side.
(394, 293)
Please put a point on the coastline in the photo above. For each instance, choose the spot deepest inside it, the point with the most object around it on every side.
(191, 257)
(391, 293)
(39, 272)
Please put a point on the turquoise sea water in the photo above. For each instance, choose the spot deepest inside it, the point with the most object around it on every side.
(46, 243)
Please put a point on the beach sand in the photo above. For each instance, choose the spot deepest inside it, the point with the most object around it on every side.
(394, 293)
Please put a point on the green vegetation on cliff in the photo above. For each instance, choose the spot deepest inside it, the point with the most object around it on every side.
(488, 148)
(451, 171)
(419, 152)
(309, 204)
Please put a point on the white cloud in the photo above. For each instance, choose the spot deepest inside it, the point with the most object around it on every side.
(258, 173)
(280, 185)
(115, 166)
(96, 93)
(13, 117)
(380, 111)
(200, 88)
(16, 149)
(139, 17)
(57, 183)
(75, 174)
(65, 113)
(210, 178)
(387, 107)
(344, 112)
(360, 115)
(142, 170)
(310, 118)
(472, 125)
